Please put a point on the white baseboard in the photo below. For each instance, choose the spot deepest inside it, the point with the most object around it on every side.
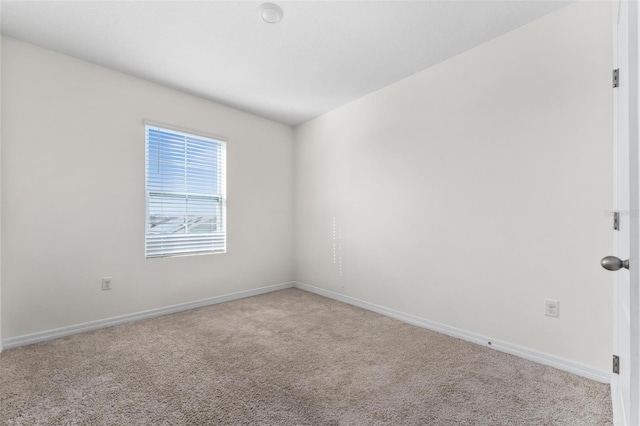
(522, 352)
(27, 339)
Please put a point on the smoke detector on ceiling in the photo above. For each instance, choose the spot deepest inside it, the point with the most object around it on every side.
(270, 13)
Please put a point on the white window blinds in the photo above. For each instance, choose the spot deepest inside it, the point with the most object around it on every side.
(185, 190)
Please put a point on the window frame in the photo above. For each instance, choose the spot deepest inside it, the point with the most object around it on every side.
(220, 197)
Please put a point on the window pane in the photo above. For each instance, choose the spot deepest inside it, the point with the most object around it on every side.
(185, 193)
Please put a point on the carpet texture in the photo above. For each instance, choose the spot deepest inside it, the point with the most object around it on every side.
(285, 358)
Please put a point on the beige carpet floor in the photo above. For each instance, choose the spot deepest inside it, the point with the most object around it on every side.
(285, 358)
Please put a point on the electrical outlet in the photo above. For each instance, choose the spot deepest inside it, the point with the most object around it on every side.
(106, 283)
(551, 308)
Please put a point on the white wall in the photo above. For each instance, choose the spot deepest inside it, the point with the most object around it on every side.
(470, 192)
(73, 195)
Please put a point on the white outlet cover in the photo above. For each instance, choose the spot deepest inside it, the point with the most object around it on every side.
(552, 308)
(106, 283)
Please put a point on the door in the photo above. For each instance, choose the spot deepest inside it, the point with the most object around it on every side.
(625, 384)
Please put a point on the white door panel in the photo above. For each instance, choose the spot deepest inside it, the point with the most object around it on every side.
(625, 384)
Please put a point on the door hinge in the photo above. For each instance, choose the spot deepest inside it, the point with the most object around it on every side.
(616, 77)
(616, 364)
(616, 221)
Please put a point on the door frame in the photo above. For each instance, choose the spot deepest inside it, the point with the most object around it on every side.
(634, 204)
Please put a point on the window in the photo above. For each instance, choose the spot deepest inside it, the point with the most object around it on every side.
(185, 193)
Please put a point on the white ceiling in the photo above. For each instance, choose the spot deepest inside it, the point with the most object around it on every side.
(320, 56)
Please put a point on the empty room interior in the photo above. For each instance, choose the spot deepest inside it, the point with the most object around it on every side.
(307, 213)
